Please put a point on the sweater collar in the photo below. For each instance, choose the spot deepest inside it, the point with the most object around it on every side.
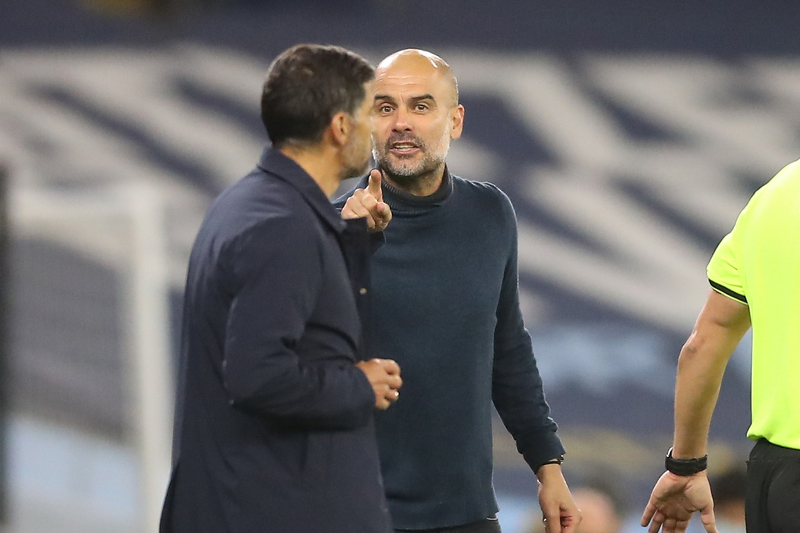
(277, 164)
(401, 200)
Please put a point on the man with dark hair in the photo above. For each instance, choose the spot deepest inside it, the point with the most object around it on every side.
(274, 426)
(447, 309)
(303, 90)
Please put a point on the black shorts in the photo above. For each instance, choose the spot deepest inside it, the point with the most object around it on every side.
(772, 504)
(490, 525)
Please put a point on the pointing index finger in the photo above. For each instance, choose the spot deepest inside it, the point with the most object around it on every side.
(374, 187)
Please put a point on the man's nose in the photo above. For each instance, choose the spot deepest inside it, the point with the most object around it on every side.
(402, 121)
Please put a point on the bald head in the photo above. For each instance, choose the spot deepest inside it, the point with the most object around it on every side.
(412, 62)
(416, 115)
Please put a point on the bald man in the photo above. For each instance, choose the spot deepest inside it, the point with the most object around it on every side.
(446, 308)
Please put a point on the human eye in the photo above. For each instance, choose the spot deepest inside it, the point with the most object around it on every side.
(384, 109)
(421, 107)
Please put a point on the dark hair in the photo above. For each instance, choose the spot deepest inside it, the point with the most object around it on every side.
(306, 85)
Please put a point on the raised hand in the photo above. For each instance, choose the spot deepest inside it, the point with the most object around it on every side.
(368, 203)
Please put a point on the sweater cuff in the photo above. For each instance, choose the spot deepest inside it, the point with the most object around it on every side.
(542, 447)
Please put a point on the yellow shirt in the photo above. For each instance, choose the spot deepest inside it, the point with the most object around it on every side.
(758, 263)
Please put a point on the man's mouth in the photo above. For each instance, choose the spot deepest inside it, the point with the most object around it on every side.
(403, 148)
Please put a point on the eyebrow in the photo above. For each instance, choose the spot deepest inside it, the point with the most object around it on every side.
(413, 99)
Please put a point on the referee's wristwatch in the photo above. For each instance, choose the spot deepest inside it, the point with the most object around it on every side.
(685, 467)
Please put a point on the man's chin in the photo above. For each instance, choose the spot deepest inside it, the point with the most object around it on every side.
(408, 172)
(405, 174)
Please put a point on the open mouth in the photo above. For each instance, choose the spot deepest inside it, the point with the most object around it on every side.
(403, 148)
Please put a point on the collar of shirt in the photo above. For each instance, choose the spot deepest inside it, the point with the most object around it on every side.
(284, 168)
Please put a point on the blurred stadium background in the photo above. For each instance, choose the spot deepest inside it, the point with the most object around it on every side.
(628, 134)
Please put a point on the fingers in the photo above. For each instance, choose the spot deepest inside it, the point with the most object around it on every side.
(366, 199)
(656, 522)
(368, 203)
(552, 525)
(649, 511)
(393, 379)
(382, 404)
(385, 399)
(384, 375)
(383, 215)
(374, 187)
(363, 205)
(389, 365)
(562, 520)
(660, 522)
(655, 525)
(570, 522)
(359, 206)
(551, 515)
(352, 209)
(392, 395)
(708, 520)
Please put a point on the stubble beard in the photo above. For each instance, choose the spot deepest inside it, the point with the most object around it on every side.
(357, 163)
(353, 170)
(404, 171)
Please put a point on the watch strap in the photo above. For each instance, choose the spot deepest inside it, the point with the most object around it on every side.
(685, 467)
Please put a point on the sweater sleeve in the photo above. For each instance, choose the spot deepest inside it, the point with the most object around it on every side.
(516, 384)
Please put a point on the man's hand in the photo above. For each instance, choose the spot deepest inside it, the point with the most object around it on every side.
(384, 376)
(368, 203)
(674, 499)
(559, 512)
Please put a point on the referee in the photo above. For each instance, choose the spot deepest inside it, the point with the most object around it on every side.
(755, 277)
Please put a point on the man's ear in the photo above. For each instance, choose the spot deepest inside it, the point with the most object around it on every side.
(340, 128)
(457, 124)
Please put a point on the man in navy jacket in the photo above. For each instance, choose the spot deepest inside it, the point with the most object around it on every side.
(274, 419)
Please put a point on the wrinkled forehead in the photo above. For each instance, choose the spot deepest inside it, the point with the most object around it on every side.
(413, 78)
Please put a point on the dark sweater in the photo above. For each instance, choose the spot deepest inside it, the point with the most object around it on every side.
(446, 307)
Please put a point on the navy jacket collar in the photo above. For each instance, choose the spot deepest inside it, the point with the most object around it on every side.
(283, 167)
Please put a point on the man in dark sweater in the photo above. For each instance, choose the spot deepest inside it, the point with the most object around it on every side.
(446, 308)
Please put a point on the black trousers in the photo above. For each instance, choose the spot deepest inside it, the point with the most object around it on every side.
(772, 504)
(490, 525)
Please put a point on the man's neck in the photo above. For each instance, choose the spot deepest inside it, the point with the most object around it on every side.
(318, 163)
(419, 186)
